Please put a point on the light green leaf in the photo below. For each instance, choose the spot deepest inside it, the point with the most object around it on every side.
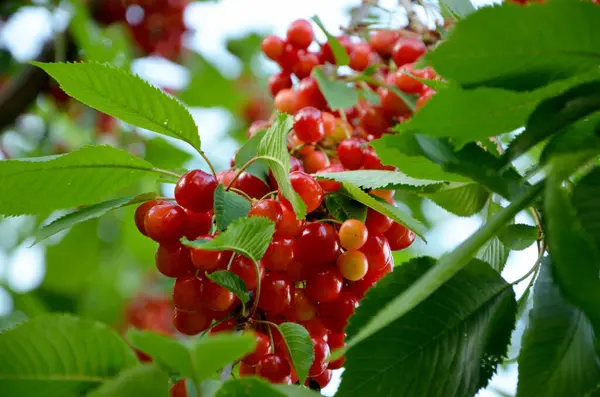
(339, 94)
(162, 154)
(376, 179)
(229, 206)
(459, 8)
(494, 253)
(582, 136)
(518, 236)
(369, 96)
(246, 236)
(85, 176)
(247, 152)
(126, 97)
(143, 380)
(297, 340)
(462, 199)
(587, 203)
(61, 355)
(343, 208)
(86, 213)
(273, 150)
(383, 207)
(213, 352)
(254, 387)
(231, 282)
(558, 357)
(339, 53)
(481, 51)
(448, 345)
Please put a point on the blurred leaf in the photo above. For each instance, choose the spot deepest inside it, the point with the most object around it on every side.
(518, 236)
(214, 352)
(300, 348)
(126, 97)
(162, 154)
(586, 200)
(462, 199)
(343, 208)
(339, 94)
(143, 380)
(582, 136)
(339, 52)
(246, 47)
(247, 152)
(375, 179)
(229, 206)
(231, 282)
(459, 8)
(369, 96)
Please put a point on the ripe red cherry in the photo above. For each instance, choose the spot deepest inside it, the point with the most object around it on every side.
(309, 190)
(327, 53)
(406, 83)
(309, 94)
(377, 250)
(300, 34)
(178, 389)
(377, 222)
(289, 225)
(195, 191)
(245, 269)
(273, 47)
(391, 104)
(334, 315)
(142, 210)
(215, 297)
(286, 101)
(353, 265)
(350, 153)
(274, 368)
(322, 352)
(191, 323)
(173, 259)
(251, 185)
(279, 254)
(262, 348)
(276, 293)
(407, 50)
(197, 223)
(399, 237)
(187, 293)
(328, 123)
(374, 121)
(303, 309)
(372, 161)
(268, 208)
(383, 41)
(315, 161)
(325, 285)
(359, 56)
(321, 380)
(317, 244)
(246, 370)
(205, 259)
(278, 82)
(165, 222)
(225, 177)
(330, 186)
(289, 58)
(308, 125)
(305, 63)
(336, 341)
(353, 234)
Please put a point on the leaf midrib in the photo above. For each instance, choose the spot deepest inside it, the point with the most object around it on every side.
(55, 378)
(87, 166)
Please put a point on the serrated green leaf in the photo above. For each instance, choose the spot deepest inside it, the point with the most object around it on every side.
(162, 154)
(247, 236)
(85, 176)
(586, 201)
(229, 206)
(339, 53)
(146, 380)
(231, 282)
(457, 336)
(343, 208)
(297, 340)
(247, 152)
(376, 179)
(462, 199)
(273, 150)
(435, 84)
(213, 352)
(558, 357)
(253, 387)
(494, 253)
(126, 97)
(61, 355)
(582, 136)
(339, 94)
(383, 207)
(518, 236)
(480, 51)
(86, 213)
(369, 96)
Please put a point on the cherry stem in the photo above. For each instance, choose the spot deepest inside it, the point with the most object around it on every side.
(244, 168)
(170, 173)
(329, 220)
(273, 193)
(212, 169)
(229, 264)
(535, 266)
(257, 294)
(241, 193)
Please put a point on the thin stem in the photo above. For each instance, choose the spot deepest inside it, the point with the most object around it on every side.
(241, 193)
(273, 193)
(212, 169)
(229, 265)
(534, 267)
(257, 294)
(165, 198)
(170, 173)
(329, 220)
(244, 168)
(343, 115)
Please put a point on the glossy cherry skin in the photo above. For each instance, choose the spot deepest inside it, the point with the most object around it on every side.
(315, 161)
(142, 210)
(216, 298)
(303, 308)
(178, 389)
(377, 250)
(353, 265)
(377, 222)
(321, 350)
(165, 223)
(317, 244)
(274, 368)
(173, 260)
(300, 34)
(359, 56)
(353, 234)
(322, 380)
(195, 191)
(205, 259)
(286, 101)
(191, 323)
(330, 186)
(407, 50)
(325, 285)
(187, 293)
(246, 370)
(399, 237)
(383, 41)
(197, 224)
(279, 254)
(276, 293)
(334, 315)
(308, 125)
(251, 185)
(289, 225)
(278, 82)
(244, 268)
(307, 188)
(267, 208)
(273, 47)
(262, 348)
(309, 94)
(350, 153)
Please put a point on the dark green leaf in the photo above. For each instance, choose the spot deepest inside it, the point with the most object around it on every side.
(61, 355)
(339, 53)
(299, 346)
(375, 179)
(231, 282)
(247, 236)
(586, 199)
(457, 336)
(582, 136)
(126, 97)
(162, 154)
(343, 208)
(256, 387)
(462, 199)
(481, 51)
(213, 352)
(143, 380)
(229, 206)
(558, 357)
(247, 152)
(494, 253)
(339, 94)
(518, 236)
(85, 176)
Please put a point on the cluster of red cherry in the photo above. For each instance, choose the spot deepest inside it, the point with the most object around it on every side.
(315, 271)
(157, 26)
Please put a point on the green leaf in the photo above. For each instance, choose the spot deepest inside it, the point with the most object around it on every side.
(245, 47)
(126, 97)
(369, 96)
(587, 204)
(518, 236)
(231, 282)
(343, 208)
(494, 253)
(213, 352)
(557, 357)
(481, 51)
(297, 340)
(582, 136)
(143, 380)
(448, 345)
(246, 236)
(247, 152)
(273, 150)
(85, 176)
(86, 213)
(253, 387)
(459, 8)
(383, 207)
(446, 268)
(162, 154)
(462, 199)
(339, 94)
(229, 206)
(375, 179)
(339, 53)
(61, 355)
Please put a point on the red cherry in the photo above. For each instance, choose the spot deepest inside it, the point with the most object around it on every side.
(328, 123)
(377, 250)
(225, 177)
(309, 94)
(255, 127)
(142, 210)
(195, 191)
(187, 293)
(276, 293)
(286, 101)
(377, 222)
(308, 125)
(407, 83)
(336, 341)
(178, 389)
(191, 323)
(383, 41)
(278, 82)
(205, 259)
(324, 286)
(316, 328)
(197, 224)
(359, 56)
(303, 309)
(323, 379)
(330, 186)
(407, 50)
(399, 237)
(350, 153)
(321, 350)
(244, 268)
(268, 208)
(251, 185)
(327, 53)
(335, 314)
(273, 47)
(289, 225)
(279, 254)
(309, 190)
(246, 370)
(305, 63)
(300, 34)
(262, 348)
(374, 121)
(372, 161)
(274, 368)
(315, 161)
(317, 244)
(226, 326)
(173, 260)
(215, 297)
(165, 223)
(391, 104)
(289, 58)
